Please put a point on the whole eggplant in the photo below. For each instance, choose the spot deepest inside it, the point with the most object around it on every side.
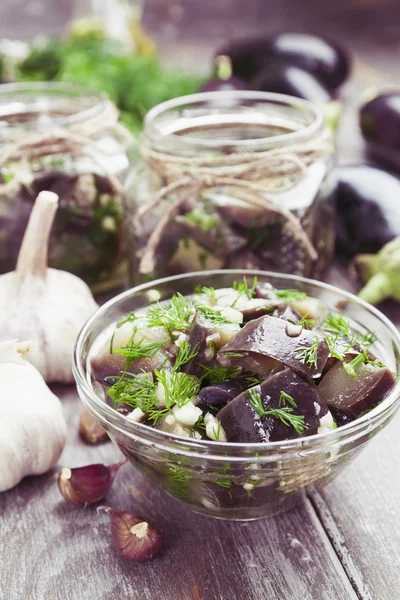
(325, 60)
(367, 208)
(380, 125)
(288, 79)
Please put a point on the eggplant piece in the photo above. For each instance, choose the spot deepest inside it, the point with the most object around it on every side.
(293, 81)
(267, 336)
(257, 307)
(241, 422)
(367, 209)
(199, 338)
(218, 237)
(290, 314)
(222, 393)
(240, 212)
(106, 368)
(324, 59)
(354, 395)
(380, 122)
(340, 417)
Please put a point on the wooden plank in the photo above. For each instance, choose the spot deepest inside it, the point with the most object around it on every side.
(50, 550)
(360, 513)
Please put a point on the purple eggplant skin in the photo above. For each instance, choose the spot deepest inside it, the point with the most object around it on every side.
(329, 63)
(340, 417)
(367, 209)
(380, 120)
(222, 393)
(242, 423)
(354, 395)
(293, 81)
(198, 337)
(267, 336)
(106, 368)
(225, 85)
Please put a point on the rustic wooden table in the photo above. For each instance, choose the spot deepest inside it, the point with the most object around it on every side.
(340, 544)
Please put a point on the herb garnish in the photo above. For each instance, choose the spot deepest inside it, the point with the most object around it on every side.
(337, 324)
(210, 292)
(185, 354)
(291, 295)
(176, 315)
(242, 287)
(213, 316)
(284, 397)
(137, 391)
(285, 414)
(360, 359)
(234, 354)
(136, 350)
(216, 375)
(308, 355)
(305, 322)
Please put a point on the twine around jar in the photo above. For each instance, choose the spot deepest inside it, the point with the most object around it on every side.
(189, 175)
(74, 138)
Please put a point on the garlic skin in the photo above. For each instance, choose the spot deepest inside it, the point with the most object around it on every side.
(46, 305)
(32, 427)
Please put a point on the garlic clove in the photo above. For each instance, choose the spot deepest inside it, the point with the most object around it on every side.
(33, 431)
(87, 485)
(46, 305)
(133, 538)
(91, 430)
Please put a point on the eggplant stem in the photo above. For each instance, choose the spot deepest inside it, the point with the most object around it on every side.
(377, 289)
(32, 258)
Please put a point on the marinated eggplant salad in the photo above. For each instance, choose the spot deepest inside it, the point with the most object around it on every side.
(244, 364)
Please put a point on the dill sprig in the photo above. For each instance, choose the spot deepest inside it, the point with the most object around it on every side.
(210, 292)
(128, 319)
(253, 379)
(284, 397)
(305, 322)
(338, 325)
(291, 295)
(137, 391)
(176, 315)
(212, 315)
(179, 388)
(135, 350)
(360, 359)
(242, 287)
(308, 355)
(285, 414)
(216, 375)
(185, 354)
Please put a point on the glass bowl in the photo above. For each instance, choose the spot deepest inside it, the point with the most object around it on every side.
(230, 480)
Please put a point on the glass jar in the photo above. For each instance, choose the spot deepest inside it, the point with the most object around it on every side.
(66, 139)
(232, 180)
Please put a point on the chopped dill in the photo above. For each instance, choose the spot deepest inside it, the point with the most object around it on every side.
(210, 292)
(185, 354)
(360, 359)
(216, 375)
(308, 355)
(285, 414)
(242, 287)
(284, 398)
(213, 316)
(128, 319)
(136, 350)
(291, 295)
(177, 314)
(305, 322)
(179, 388)
(229, 354)
(217, 431)
(253, 379)
(337, 324)
(137, 391)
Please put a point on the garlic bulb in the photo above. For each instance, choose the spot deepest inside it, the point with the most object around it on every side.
(32, 427)
(46, 305)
